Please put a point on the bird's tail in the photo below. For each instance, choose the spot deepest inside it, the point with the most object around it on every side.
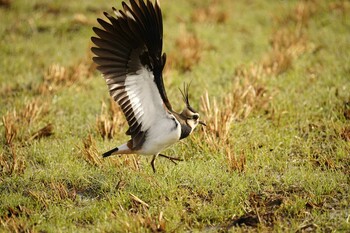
(123, 149)
(110, 152)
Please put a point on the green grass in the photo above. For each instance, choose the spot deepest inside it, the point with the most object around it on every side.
(283, 166)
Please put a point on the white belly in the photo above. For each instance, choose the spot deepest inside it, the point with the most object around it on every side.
(161, 135)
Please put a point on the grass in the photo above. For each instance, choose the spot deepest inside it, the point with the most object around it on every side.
(270, 78)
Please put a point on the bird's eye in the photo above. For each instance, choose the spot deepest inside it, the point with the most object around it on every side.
(195, 117)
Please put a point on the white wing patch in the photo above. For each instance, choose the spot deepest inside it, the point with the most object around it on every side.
(144, 98)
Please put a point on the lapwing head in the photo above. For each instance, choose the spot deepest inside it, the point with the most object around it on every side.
(189, 114)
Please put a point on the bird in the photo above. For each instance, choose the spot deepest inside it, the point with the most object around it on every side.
(128, 52)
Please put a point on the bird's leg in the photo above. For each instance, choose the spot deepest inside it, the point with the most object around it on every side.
(152, 162)
(172, 159)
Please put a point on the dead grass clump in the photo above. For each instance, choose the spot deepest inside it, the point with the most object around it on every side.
(53, 77)
(287, 45)
(218, 120)
(248, 92)
(62, 192)
(83, 69)
(235, 162)
(53, 192)
(18, 123)
(40, 196)
(237, 105)
(139, 211)
(89, 152)
(342, 6)
(211, 14)
(58, 76)
(304, 11)
(14, 219)
(33, 111)
(81, 19)
(110, 120)
(50, 8)
(290, 41)
(277, 63)
(154, 223)
(5, 3)
(10, 163)
(345, 134)
(46, 131)
(11, 128)
(301, 14)
(187, 53)
(137, 202)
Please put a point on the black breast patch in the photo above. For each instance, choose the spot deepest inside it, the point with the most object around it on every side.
(185, 131)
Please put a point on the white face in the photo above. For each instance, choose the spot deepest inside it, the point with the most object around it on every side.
(193, 120)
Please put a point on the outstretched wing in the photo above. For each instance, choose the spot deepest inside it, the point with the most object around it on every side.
(129, 55)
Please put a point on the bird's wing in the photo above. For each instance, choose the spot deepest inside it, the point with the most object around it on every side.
(129, 54)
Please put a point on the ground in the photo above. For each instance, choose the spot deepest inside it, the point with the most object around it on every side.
(270, 79)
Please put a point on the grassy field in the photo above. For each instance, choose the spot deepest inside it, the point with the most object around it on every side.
(270, 78)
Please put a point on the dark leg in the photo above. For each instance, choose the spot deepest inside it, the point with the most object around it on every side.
(152, 163)
(172, 159)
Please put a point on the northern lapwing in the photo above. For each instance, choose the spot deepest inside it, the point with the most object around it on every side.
(129, 55)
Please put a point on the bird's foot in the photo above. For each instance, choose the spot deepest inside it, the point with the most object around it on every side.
(172, 159)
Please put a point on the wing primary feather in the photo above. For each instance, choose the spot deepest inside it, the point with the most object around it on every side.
(129, 55)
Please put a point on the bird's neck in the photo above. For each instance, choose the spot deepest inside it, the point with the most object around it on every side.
(186, 130)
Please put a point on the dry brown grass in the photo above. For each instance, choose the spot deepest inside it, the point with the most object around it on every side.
(5, 3)
(342, 6)
(58, 76)
(154, 223)
(18, 124)
(110, 121)
(139, 212)
(89, 152)
(187, 53)
(235, 162)
(129, 161)
(10, 163)
(289, 41)
(301, 14)
(54, 192)
(45, 131)
(81, 19)
(248, 92)
(61, 191)
(9, 121)
(53, 77)
(245, 97)
(33, 111)
(210, 14)
(345, 134)
(287, 45)
(12, 221)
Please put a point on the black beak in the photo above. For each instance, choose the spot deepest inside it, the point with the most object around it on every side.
(202, 123)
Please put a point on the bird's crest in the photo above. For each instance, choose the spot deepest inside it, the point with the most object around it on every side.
(185, 96)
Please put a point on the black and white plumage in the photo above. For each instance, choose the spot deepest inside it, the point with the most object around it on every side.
(129, 55)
